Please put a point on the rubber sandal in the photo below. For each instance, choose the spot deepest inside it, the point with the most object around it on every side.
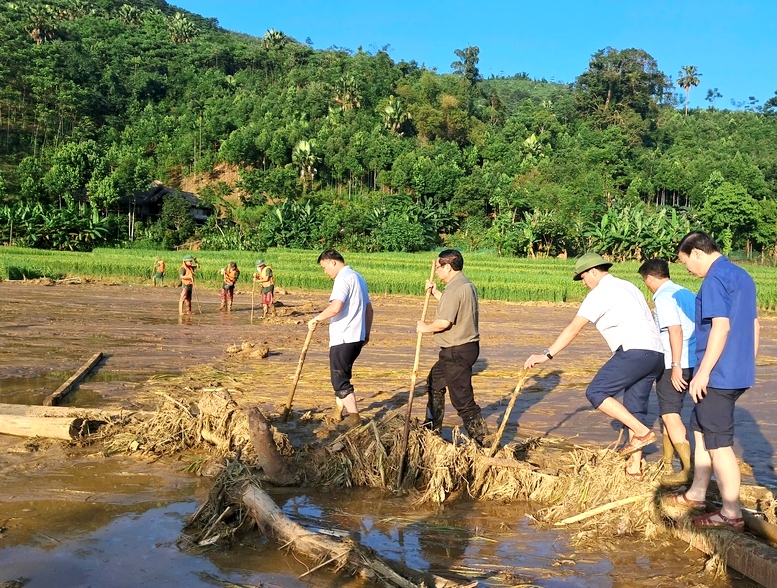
(717, 520)
(636, 443)
(685, 502)
(635, 476)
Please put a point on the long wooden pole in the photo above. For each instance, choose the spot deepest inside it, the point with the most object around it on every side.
(413, 377)
(287, 408)
(65, 388)
(253, 286)
(500, 432)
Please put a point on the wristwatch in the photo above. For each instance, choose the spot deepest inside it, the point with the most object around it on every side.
(547, 354)
(675, 364)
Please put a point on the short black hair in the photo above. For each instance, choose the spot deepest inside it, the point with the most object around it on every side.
(330, 254)
(658, 268)
(697, 240)
(452, 257)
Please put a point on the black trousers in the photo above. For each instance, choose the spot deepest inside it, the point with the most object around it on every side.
(453, 370)
(341, 360)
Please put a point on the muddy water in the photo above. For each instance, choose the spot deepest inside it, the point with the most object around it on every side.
(70, 519)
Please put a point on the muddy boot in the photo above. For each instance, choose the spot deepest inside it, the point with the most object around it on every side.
(477, 429)
(684, 476)
(223, 305)
(435, 410)
(229, 306)
(352, 421)
(334, 418)
(668, 456)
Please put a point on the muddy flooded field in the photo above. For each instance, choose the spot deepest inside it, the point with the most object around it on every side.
(70, 516)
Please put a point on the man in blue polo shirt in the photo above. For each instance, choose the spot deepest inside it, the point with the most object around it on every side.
(727, 333)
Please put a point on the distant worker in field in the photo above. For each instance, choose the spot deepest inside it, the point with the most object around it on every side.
(675, 312)
(159, 271)
(456, 331)
(264, 276)
(186, 273)
(350, 321)
(621, 315)
(231, 274)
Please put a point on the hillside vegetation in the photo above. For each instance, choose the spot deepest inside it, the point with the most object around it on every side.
(351, 149)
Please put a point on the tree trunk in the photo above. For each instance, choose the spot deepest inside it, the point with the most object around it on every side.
(275, 468)
(327, 550)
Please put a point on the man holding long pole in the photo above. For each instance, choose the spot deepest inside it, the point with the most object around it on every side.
(350, 320)
(455, 330)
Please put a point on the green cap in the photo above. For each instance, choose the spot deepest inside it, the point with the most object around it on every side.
(259, 262)
(188, 257)
(588, 261)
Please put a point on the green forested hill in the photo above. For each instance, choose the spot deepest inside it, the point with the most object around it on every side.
(351, 149)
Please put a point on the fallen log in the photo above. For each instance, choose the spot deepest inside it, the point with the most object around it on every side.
(55, 422)
(66, 428)
(343, 554)
(275, 468)
(72, 382)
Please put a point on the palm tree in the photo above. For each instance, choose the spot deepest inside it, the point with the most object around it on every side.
(129, 15)
(347, 93)
(305, 158)
(687, 77)
(273, 39)
(181, 29)
(395, 115)
(467, 65)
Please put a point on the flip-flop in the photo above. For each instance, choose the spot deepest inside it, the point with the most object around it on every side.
(717, 520)
(683, 500)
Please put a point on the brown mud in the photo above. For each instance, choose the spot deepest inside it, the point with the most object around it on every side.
(72, 517)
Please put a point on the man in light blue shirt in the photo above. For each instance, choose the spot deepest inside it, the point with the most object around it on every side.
(675, 309)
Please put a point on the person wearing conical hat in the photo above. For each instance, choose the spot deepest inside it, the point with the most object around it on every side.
(264, 276)
(186, 274)
(159, 271)
(620, 313)
(231, 274)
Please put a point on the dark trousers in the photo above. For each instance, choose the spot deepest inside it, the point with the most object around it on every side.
(341, 360)
(453, 370)
(631, 372)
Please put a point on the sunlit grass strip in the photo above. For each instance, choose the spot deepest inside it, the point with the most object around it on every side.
(497, 278)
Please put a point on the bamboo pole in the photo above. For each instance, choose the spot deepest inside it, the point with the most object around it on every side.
(500, 432)
(287, 408)
(413, 378)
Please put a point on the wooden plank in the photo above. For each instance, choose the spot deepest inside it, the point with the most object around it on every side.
(54, 399)
(28, 410)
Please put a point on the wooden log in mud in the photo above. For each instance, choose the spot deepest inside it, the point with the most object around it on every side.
(72, 382)
(54, 422)
(752, 558)
(275, 468)
(344, 554)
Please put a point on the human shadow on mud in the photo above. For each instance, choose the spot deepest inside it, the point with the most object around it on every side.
(528, 396)
(757, 451)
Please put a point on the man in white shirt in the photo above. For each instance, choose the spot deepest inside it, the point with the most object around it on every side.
(620, 313)
(675, 311)
(350, 313)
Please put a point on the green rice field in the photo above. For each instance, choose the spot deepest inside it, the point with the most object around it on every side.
(496, 278)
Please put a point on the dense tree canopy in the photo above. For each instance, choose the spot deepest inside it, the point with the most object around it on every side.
(310, 148)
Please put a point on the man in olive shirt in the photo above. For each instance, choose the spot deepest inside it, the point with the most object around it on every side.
(455, 330)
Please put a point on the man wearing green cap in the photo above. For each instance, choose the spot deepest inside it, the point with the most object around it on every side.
(264, 276)
(620, 313)
(186, 273)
